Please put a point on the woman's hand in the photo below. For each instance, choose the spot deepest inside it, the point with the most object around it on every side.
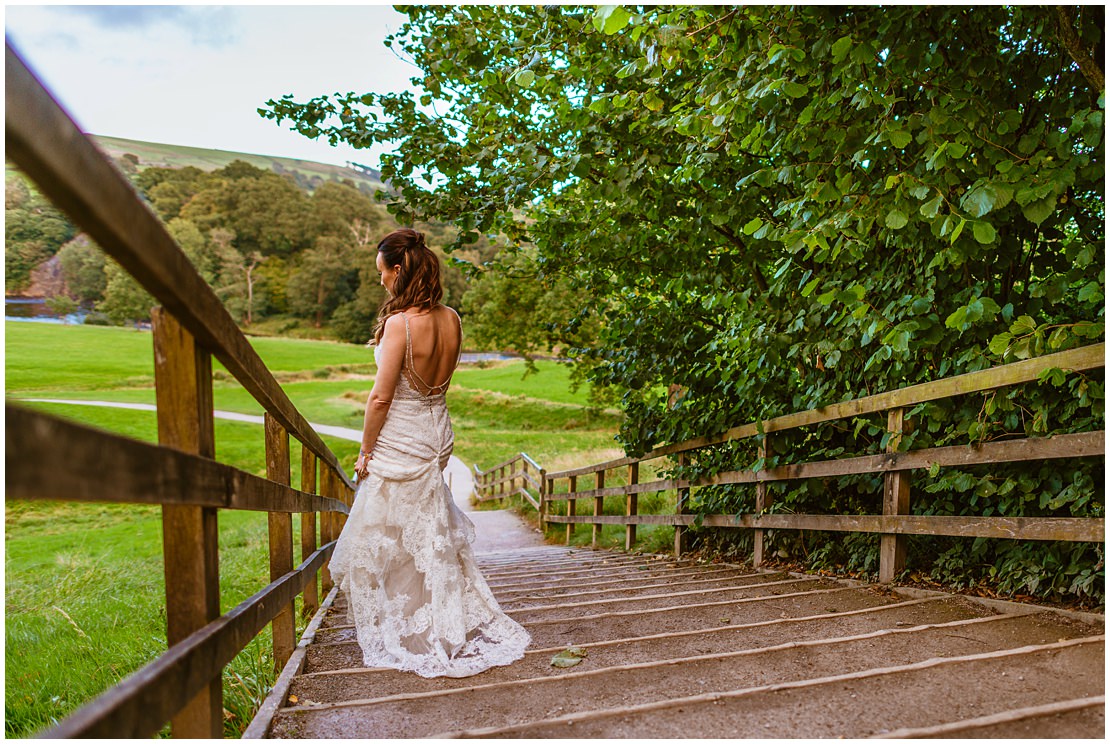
(362, 464)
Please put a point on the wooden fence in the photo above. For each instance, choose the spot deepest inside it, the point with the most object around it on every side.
(895, 522)
(49, 458)
(514, 477)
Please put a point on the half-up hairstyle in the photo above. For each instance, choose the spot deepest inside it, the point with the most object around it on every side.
(417, 284)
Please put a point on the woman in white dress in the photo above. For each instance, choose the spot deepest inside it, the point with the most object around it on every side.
(414, 592)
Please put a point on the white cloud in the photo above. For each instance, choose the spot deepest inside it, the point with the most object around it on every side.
(196, 75)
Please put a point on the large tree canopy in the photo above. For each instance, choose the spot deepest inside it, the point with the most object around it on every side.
(777, 207)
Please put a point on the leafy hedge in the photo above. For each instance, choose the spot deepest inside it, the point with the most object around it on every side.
(775, 208)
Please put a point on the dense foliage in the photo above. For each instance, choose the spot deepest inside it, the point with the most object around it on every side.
(269, 247)
(34, 230)
(774, 208)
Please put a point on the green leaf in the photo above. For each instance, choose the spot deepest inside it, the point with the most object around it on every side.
(1000, 343)
(1039, 210)
(570, 657)
(984, 232)
(609, 19)
(652, 101)
(957, 320)
(795, 90)
(754, 224)
(899, 138)
(959, 229)
(808, 289)
(841, 47)
(979, 201)
(1023, 325)
(896, 219)
(1090, 291)
(525, 78)
(930, 208)
(827, 297)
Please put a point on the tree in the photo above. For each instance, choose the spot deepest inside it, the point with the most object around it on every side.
(324, 280)
(124, 299)
(778, 207)
(83, 268)
(34, 230)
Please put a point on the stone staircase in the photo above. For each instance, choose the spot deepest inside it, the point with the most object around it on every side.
(678, 649)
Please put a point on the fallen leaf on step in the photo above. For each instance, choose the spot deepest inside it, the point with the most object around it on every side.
(292, 698)
(568, 658)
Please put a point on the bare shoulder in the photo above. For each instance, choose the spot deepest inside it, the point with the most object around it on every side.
(394, 327)
(396, 320)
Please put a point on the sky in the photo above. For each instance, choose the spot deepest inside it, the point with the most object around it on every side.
(196, 74)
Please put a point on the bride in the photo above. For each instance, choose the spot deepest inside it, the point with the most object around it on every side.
(415, 595)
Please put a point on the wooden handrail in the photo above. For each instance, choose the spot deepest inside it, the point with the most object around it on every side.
(895, 522)
(137, 706)
(1084, 444)
(130, 471)
(68, 168)
(180, 474)
(1083, 358)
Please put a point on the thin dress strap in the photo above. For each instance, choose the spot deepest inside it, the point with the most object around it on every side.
(414, 376)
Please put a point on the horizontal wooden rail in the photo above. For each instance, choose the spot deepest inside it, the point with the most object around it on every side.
(1084, 358)
(69, 170)
(1071, 529)
(512, 460)
(527, 497)
(1085, 444)
(137, 706)
(98, 466)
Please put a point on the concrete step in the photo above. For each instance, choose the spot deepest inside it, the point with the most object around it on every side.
(603, 687)
(684, 649)
(861, 704)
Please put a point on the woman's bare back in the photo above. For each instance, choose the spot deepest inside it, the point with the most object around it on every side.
(436, 339)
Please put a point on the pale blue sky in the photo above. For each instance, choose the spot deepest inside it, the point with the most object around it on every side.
(196, 74)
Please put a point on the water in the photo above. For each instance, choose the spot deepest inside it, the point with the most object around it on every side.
(35, 311)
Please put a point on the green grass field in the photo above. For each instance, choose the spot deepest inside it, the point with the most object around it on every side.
(84, 594)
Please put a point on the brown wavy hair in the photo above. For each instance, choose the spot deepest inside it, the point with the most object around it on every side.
(418, 283)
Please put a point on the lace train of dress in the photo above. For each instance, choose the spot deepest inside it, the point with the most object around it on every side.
(415, 594)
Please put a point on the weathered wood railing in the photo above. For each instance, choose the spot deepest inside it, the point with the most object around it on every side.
(511, 478)
(49, 458)
(896, 521)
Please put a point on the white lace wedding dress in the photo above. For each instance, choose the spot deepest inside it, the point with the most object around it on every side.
(415, 595)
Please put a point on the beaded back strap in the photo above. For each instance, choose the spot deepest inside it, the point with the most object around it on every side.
(414, 376)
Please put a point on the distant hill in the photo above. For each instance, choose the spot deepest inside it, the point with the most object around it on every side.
(308, 174)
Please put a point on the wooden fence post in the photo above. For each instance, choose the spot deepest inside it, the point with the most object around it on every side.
(308, 530)
(599, 509)
(281, 538)
(572, 486)
(190, 538)
(544, 490)
(326, 528)
(761, 504)
(896, 500)
(631, 506)
(680, 508)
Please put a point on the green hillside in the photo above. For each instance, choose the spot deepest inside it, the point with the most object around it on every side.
(178, 156)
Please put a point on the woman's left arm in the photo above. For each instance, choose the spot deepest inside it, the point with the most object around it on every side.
(381, 395)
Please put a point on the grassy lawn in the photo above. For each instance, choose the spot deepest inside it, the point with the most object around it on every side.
(84, 593)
